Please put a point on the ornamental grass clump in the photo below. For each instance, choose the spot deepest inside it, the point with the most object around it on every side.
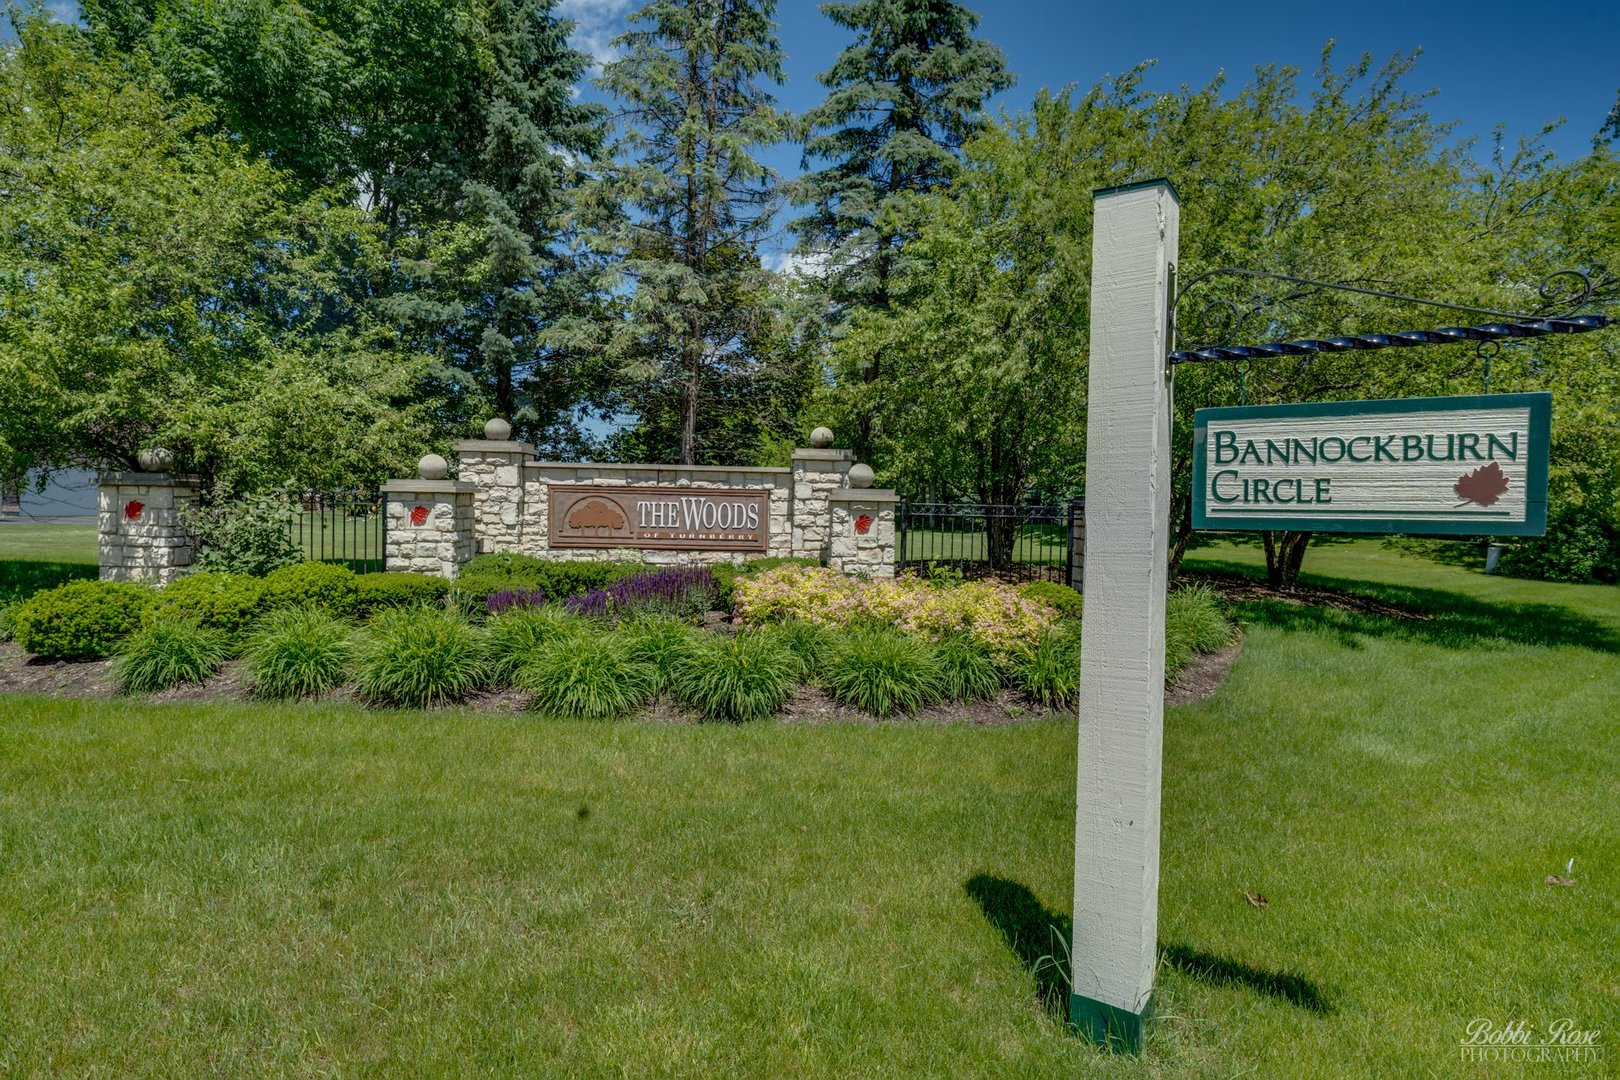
(737, 677)
(1193, 623)
(518, 634)
(420, 657)
(299, 653)
(882, 672)
(965, 669)
(804, 641)
(165, 653)
(1049, 673)
(587, 676)
(660, 642)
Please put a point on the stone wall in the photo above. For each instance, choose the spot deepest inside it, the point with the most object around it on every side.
(140, 535)
(816, 472)
(430, 526)
(861, 531)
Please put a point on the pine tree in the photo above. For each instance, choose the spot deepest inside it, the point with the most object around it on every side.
(697, 200)
(901, 101)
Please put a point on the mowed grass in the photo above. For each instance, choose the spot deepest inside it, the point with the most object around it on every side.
(253, 890)
(34, 557)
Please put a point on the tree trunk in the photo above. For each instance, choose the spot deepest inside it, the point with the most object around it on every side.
(1285, 553)
(1181, 533)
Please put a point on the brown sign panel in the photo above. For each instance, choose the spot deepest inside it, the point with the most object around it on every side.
(699, 519)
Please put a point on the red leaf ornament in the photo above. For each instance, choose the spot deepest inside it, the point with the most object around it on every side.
(863, 524)
(133, 508)
(1482, 486)
(419, 515)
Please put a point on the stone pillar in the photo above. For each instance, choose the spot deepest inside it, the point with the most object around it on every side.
(141, 537)
(861, 539)
(1077, 545)
(816, 472)
(430, 521)
(495, 465)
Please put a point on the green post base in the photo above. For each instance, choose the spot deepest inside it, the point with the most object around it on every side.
(1108, 1026)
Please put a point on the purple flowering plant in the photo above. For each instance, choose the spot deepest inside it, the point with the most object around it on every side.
(685, 592)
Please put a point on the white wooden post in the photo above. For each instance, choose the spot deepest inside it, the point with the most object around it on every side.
(1116, 830)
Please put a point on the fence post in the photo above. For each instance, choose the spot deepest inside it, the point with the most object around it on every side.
(900, 540)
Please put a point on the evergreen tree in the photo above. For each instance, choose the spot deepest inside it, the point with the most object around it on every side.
(901, 101)
(697, 200)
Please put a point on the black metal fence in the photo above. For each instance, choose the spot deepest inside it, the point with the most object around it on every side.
(344, 527)
(1009, 542)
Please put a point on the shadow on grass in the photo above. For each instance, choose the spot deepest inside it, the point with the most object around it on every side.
(1438, 616)
(22, 578)
(1219, 971)
(1037, 935)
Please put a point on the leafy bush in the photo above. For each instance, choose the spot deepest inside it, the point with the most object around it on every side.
(1193, 623)
(167, 652)
(214, 599)
(1576, 548)
(993, 614)
(321, 586)
(658, 641)
(1062, 599)
(7, 610)
(587, 676)
(82, 619)
(399, 588)
(242, 534)
(517, 635)
(488, 574)
(726, 574)
(299, 653)
(421, 657)
(806, 642)
(737, 677)
(1050, 672)
(965, 669)
(880, 671)
(681, 592)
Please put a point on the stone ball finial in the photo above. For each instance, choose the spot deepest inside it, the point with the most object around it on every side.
(860, 476)
(497, 430)
(156, 459)
(821, 438)
(432, 467)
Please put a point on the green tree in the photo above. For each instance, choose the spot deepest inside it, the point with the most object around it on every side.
(695, 113)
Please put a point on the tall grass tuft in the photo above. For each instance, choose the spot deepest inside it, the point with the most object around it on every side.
(659, 641)
(737, 677)
(587, 676)
(420, 657)
(881, 671)
(965, 669)
(165, 653)
(1194, 622)
(299, 653)
(1049, 673)
(805, 642)
(518, 634)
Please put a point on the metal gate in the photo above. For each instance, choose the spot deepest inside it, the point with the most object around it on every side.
(343, 527)
(1010, 542)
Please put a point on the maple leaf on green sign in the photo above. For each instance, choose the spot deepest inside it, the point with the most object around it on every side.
(1483, 486)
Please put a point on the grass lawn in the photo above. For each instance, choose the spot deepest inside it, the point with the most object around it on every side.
(1032, 544)
(251, 890)
(34, 557)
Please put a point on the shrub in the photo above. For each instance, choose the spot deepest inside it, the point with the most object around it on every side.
(682, 592)
(806, 642)
(82, 619)
(737, 677)
(167, 652)
(1062, 599)
(321, 586)
(880, 671)
(7, 610)
(726, 574)
(1193, 623)
(1050, 672)
(587, 676)
(299, 653)
(993, 614)
(516, 636)
(214, 599)
(399, 588)
(965, 669)
(421, 657)
(243, 535)
(660, 642)
(489, 574)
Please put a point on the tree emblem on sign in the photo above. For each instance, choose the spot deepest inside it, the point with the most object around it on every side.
(1483, 486)
(133, 508)
(419, 515)
(863, 524)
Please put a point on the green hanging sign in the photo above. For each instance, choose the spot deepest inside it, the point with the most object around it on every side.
(1471, 466)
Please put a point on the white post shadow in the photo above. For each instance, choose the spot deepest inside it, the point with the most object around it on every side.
(1116, 830)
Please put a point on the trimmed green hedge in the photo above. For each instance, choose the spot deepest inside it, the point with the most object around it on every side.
(215, 600)
(488, 574)
(321, 586)
(400, 588)
(82, 620)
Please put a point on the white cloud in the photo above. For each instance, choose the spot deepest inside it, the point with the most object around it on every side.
(807, 265)
(596, 24)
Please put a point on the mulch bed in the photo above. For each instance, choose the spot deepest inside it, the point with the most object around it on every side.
(1237, 587)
